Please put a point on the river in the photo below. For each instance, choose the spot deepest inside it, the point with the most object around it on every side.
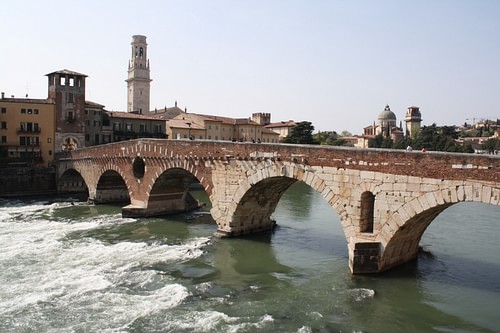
(69, 267)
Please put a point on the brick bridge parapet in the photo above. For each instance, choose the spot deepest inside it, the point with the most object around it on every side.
(385, 198)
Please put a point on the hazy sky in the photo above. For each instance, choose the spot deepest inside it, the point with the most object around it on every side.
(336, 63)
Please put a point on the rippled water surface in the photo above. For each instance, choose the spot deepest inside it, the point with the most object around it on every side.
(70, 267)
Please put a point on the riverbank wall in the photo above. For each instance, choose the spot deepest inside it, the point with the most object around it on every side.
(24, 181)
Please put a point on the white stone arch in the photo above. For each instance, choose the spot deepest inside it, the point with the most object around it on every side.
(400, 235)
(284, 173)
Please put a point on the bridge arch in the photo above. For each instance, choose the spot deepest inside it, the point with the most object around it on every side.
(407, 225)
(111, 187)
(258, 194)
(72, 181)
(169, 192)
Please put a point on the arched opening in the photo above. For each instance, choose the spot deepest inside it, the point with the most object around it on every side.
(366, 213)
(255, 208)
(308, 236)
(138, 167)
(111, 188)
(71, 181)
(458, 258)
(175, 191)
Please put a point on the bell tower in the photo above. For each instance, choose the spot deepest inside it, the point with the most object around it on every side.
(413, 120)
(138, 82)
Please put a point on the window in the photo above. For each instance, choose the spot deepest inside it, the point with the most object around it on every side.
(30, 111)
(142, 128)
(128, 127)
(3, 125)
(35, 111)
(4, 110)
(71, 82)
(49, 140)
(4, 139)
(50, 152)
(70, 97)
(22, 141)
(117, 126)
(209, 137)
(62, 81)
(23, 110)
(22, 126)
(367, 207)
(158, 128)
(216, 127)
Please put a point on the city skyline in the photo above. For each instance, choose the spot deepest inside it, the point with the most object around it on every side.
(336, 64)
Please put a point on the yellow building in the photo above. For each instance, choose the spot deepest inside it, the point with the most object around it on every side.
(224, 128)
(27, 130)
(183, 129)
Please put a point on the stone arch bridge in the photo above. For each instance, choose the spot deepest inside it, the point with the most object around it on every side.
(385, 198)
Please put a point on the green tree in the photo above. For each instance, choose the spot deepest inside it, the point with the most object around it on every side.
(380, 141)
(491, 145)
(329, 138)
(301, 133)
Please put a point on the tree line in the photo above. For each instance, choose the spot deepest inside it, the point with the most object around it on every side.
(433, 137)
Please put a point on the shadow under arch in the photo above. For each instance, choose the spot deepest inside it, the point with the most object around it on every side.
(71, 181)
(254, 209)
(111, 187)
(170, 192)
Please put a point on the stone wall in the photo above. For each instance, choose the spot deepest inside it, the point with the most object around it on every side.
(27, 181)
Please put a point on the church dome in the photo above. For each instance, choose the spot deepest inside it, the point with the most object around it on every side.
(387, 115)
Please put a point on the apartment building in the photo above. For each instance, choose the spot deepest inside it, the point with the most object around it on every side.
(27, 131)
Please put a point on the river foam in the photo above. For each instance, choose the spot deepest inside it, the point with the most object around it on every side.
(81, 283)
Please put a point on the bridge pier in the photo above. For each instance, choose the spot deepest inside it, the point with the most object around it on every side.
(364, 258)
(254, 226)
(166, 204)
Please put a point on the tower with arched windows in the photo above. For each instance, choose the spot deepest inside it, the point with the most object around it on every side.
(138, 82)
(413, 120)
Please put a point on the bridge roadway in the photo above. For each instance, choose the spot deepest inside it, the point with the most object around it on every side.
(385, 198)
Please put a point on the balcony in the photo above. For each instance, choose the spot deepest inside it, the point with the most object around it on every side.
(29, 130)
